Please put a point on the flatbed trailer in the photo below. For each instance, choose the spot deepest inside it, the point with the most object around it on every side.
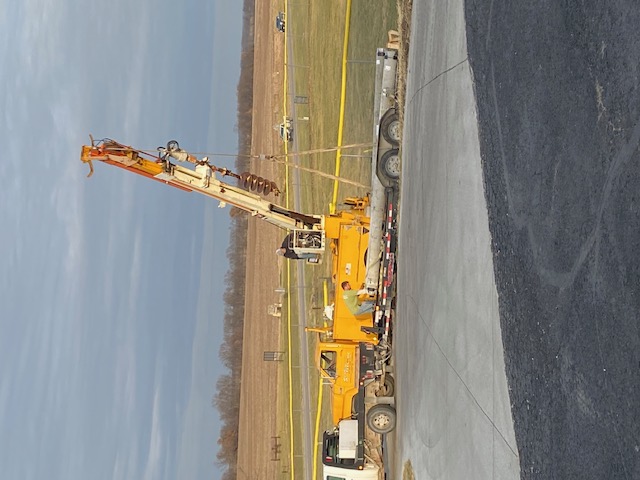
(366, 402)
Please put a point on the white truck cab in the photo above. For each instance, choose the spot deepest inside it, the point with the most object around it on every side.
(342, 448)
(369, 472)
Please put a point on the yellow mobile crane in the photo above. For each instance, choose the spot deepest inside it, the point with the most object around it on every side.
(347, 231)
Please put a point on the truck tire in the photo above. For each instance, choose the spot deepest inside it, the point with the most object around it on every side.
(389, 164)
(390, 127)
(381, 419)
(388, 388)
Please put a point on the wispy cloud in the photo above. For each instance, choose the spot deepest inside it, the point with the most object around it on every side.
(68, 188)
(125, 381)
(81, 337)
(152, 470)
(138, 77)
(39, 34)
(126, 458)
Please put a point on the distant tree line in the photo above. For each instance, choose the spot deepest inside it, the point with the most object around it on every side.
(227, 397)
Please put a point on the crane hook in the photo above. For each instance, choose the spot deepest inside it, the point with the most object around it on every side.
(90, 168)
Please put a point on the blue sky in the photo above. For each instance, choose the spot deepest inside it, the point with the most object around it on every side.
(111, 287)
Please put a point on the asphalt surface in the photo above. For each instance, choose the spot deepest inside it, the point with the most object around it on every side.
(558, 108)
(517, 331)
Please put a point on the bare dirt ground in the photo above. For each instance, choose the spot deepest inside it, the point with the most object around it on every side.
(404, 29)
(258, 398)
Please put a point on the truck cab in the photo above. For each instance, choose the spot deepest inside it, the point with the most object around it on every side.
(343, 447)
(280, 22)
(347, 367)
(369, 472)
(285, 130)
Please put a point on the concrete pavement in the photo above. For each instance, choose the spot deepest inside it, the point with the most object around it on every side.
(453, 405)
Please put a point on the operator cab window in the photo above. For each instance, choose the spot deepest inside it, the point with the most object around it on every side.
(328, 363)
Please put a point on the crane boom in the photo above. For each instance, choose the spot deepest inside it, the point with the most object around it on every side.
(200, 179)
(309, 231)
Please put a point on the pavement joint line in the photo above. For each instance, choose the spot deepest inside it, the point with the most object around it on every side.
(444, 355)
(436, 77)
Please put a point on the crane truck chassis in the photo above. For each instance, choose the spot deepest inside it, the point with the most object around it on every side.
(359, 371)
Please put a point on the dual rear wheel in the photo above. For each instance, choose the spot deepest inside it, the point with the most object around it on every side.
(381, 418)
(389, 162)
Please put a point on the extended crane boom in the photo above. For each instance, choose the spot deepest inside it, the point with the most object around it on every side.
(309, 230)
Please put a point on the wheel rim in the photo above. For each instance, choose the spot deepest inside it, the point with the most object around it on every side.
(381, 421)
(394, 131)
(392, 166)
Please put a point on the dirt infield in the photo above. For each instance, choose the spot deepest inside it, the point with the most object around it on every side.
(258, 393)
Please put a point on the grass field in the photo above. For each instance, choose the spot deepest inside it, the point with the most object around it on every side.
(317, 58)
(316, 29)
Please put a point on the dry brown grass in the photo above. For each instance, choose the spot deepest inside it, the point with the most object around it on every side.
(407, 471)
(258, 422)
(404, 29)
